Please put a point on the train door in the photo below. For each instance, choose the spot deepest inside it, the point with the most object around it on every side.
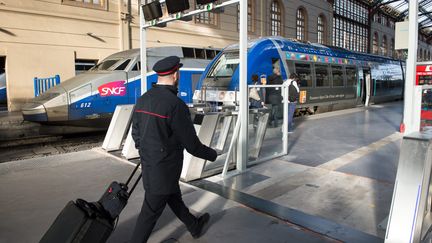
(3, 96)
(366, 86)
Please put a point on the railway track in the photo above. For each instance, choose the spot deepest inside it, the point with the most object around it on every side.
(40, 146)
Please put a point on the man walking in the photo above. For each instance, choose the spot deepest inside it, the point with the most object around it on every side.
(162, 129)
(274, 95)
(293, 93)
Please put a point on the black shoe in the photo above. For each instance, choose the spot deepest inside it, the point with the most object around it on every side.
(202, 221)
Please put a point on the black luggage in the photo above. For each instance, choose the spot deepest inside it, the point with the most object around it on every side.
(90, 222)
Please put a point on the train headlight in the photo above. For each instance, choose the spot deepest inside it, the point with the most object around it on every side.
(221, 95)
(196, 95)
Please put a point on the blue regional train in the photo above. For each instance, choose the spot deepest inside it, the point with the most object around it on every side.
(331, 77)
(89, 99)
(3, 97)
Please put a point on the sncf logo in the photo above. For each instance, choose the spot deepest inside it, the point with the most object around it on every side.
(115, 88)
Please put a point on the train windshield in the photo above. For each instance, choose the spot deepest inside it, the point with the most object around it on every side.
(222, 70)
(105, 65)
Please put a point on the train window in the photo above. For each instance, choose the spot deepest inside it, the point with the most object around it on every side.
(322, 76)
(225, 65)
(188, 52)
(137, 66)
(80, 93)
(200, 53)
(105, 65)
(338, 78)
(304, 72)
(210, 54)
(351, 76)
(123, 66)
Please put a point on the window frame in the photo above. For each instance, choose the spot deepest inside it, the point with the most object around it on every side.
(201, 18)
(375, 43)
(301, 24)
(384, 46)
(343, 76)
(310, 73)
(250, 16)
(322, 31)
(346, 76)
(279, 21)
(103, 5)
(315, 81)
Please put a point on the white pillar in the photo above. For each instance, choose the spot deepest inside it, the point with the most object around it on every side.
(408, 116)
(143, 46)
(242, 155)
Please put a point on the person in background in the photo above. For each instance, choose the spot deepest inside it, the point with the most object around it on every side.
(293, 94)
(256, 95)
(162, 128)
(274, 95)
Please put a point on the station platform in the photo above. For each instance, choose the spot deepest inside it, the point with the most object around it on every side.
(335, 185)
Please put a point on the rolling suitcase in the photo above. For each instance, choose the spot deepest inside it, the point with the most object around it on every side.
(90, 222)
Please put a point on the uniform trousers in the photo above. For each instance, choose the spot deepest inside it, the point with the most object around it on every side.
(152, 209)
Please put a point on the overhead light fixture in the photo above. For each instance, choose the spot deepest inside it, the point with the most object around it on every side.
(152, 10)
(202, 2)
(175, 6)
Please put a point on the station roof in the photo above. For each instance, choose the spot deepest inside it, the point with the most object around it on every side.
(399, 10)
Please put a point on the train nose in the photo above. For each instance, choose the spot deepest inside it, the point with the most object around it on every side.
(34, 112)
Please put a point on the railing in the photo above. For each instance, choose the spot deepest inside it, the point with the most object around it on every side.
(43, 84)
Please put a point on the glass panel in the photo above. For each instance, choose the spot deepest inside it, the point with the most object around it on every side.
(188, 52)
(322, 76)
(137, 66)
(105, 65)
(265, 129)
(221, 140)
(123, 66)
(225, 66)
(304, 72)
(200, 53)
(351, 76)
(337, 72)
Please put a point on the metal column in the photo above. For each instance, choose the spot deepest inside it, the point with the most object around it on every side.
(242, 155)
(143, 42)
(411, 67)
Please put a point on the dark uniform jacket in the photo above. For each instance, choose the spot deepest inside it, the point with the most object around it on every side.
(274, 95)
(162, 128)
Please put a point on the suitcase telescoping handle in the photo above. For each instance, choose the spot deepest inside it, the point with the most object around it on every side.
(130, 178)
